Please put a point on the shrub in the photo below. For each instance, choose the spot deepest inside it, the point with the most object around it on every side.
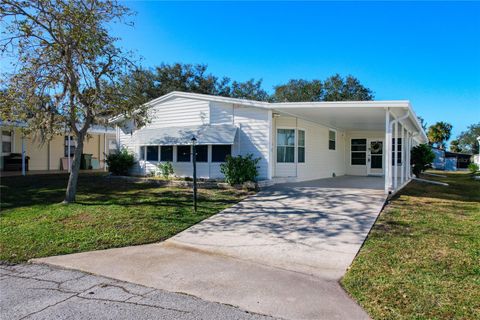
(473, 167)
(422, 158)
(238, 170)
(166, 169)
(120, 162)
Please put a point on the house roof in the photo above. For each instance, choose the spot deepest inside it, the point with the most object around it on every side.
(368, 115)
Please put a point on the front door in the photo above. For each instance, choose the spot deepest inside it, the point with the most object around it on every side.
(375, 157)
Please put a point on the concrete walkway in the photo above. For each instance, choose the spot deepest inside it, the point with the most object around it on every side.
(279, 253)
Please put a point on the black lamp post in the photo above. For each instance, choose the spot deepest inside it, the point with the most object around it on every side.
(194, 160)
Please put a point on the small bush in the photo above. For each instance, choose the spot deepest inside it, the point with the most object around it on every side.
(166, 169)
(473, 167)
(120, 162)
(238, 170)
(422, 158)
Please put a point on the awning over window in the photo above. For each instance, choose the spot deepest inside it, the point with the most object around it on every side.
(205, 134)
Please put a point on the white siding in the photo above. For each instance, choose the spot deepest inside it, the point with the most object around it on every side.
(179, 112)
(320, 162)
(172, 113)
(253, 136)
(221, 113)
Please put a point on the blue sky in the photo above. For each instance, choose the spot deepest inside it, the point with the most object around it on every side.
(428, 53)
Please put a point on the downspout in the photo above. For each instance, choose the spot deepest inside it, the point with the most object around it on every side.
(396, 121)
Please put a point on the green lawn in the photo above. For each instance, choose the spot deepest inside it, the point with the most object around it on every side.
(422, 257)
(108, 213)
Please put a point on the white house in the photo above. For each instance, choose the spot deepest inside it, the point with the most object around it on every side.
(295, 141)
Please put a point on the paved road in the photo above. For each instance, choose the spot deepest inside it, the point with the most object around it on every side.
(41, 292)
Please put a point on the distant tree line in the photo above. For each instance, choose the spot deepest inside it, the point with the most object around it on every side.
(155, 82)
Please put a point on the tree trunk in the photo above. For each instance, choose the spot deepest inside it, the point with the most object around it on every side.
(73, 178)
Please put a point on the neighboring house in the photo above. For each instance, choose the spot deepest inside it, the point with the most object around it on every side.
(295, 141)
(55, 154)
(450, 161)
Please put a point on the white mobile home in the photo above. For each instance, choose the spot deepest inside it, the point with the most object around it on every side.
(295, 141)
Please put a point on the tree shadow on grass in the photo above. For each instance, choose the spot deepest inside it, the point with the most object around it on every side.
(95, 189)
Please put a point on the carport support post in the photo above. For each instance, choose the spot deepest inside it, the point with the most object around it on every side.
(409, 147)
(388, 141)
(402, 174)
(395, 157)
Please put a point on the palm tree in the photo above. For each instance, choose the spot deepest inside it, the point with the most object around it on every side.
(439, 133)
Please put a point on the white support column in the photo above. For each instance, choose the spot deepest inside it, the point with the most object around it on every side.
(23, 155)
(387, 161)
(409, 148)
(395, 157)
(402, 173)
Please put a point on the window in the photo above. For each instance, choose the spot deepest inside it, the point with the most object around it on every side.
(152, 153)
(183, 153)
(6, 146)
(220, 152)
(285, 145)
(73, 144)
(112, 146)
(166, 153)
(301, 146)
(6, 141)
(399, 151)
(359, 152)
(201, 153)
(332, 140)
(142, 153)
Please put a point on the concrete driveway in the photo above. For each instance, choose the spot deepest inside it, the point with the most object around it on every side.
(279, 253)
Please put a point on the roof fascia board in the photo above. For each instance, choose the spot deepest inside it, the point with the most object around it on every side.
(344, 104)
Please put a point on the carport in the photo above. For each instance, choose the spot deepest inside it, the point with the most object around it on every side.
(392, 125)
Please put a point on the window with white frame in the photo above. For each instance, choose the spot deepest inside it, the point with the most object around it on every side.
(112, 146)
(183, 154)
(220, 152)
(301, 146)
(201, 153)
(6, 142)
(285, 145)
(332, 140)
(152, 153)
(359, 151)
(166, 153)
